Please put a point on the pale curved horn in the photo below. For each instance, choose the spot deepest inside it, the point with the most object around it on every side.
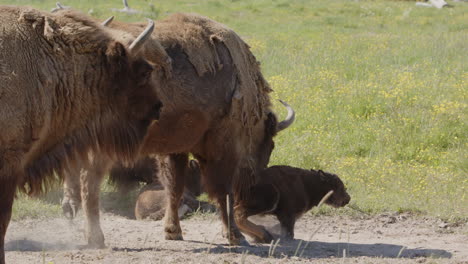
(107, 21)
(125, 4)
(289, 118)
(138, 42)
(59, 5)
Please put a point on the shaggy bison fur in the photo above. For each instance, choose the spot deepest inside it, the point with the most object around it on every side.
(287, 193)
(68, 89)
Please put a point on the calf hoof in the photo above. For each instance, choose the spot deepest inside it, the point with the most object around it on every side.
(173, 232)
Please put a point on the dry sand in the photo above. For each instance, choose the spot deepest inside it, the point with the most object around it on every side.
(383, 239)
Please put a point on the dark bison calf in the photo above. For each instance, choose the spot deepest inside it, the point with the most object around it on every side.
(287, 193)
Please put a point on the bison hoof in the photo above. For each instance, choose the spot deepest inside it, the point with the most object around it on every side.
(173, 233)
(95, 240)
(267, 238)
(93, 246)
(69, 209)
(236, 239)
(96, 243)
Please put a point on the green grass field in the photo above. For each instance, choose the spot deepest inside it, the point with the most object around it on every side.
(380, 89)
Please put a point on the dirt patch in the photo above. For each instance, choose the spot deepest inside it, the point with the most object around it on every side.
(324, 239)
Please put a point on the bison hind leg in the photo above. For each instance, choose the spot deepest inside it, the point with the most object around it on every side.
(172, 170)
(71, 194)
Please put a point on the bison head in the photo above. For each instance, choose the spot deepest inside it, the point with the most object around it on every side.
(272, 127)
(132, 96)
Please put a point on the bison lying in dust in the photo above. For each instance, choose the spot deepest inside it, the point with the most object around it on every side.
(152, 200)
(216, 105)
(67, 89)
(287, 193)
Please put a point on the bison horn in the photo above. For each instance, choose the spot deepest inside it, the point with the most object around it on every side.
(126, 4)
(107, 21)
(59, 5)
(138, 42)
(289, 118)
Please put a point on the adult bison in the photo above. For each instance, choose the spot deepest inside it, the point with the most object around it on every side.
(216, 105)
(67, 89)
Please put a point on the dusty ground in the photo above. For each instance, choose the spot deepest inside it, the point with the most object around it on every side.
(383, 239)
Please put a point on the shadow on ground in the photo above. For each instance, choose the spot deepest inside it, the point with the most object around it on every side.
(316, 249)
(296, 248)
(26, 245)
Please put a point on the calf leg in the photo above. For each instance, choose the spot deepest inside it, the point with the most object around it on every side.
(287, 226)
(172, 170)
(7, 193)
(71, 194)
(91, 179)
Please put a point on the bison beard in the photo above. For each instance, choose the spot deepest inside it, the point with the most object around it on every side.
(287, 193)
(88, 94)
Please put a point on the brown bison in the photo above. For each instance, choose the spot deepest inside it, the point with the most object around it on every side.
(216, 105)
(287, 193)
(67, 89)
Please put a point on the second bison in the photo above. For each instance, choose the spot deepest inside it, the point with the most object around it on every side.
(216, 105)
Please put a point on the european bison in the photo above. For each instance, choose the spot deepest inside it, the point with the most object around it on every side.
(287, 193)
(216, 105)
(67, 89)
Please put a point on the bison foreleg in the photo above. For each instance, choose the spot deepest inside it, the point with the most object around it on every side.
(71, 194)
(7, 193)
(172, 170)
(257, 232)
(217, 178)
(91, 179)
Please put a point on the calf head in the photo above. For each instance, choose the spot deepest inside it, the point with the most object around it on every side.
(331, 182)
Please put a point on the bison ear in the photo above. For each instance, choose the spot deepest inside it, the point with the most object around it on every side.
(323, 174)
(270, 124)
(117, 57)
